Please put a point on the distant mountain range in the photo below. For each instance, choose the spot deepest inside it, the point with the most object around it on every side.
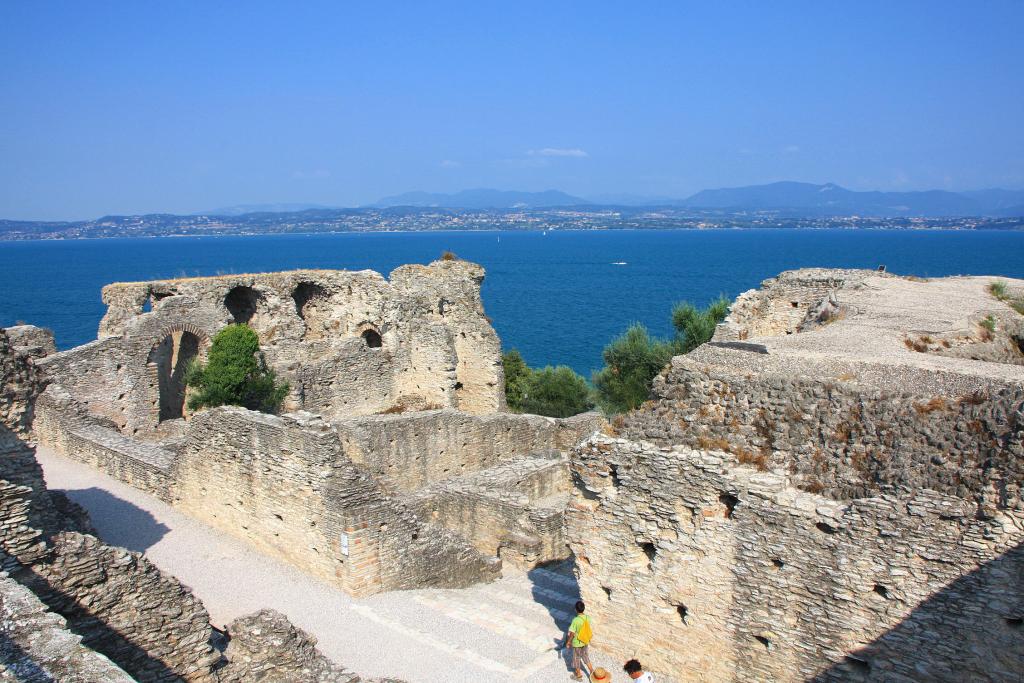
(791, 198)
(833, 200)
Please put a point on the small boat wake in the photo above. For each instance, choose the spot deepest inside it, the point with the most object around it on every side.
(618, 263)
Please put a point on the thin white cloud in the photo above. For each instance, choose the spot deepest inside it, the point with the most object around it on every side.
(791, 149)
(558, 152)
(450, 163)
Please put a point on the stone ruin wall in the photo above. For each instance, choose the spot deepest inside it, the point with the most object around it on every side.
(284, 485)
(409, 452)
(839, 437)
(782, 303)
(39, 647)
(75, 609)
(348, 343)
(709, 570)
(395, 486)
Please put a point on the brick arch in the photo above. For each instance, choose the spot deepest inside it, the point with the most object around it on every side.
(165, 367)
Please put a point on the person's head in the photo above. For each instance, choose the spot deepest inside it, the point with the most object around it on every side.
(580, 607)
(632, 667)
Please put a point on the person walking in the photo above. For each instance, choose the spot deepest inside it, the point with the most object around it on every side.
(578, 638)
(636, 672)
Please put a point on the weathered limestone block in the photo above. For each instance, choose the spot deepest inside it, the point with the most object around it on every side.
(842, 437)
(284, 485)
(348, 343)
(20, 383)
(122, 605)
(711, 571)
(37, 647)
(31, 341)
(265, 646)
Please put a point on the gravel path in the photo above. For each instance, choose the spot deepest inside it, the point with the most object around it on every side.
(504, 631)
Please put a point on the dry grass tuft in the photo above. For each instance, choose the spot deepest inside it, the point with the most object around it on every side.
(936, 404)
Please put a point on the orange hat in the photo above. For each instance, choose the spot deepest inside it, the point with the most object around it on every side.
(600, 676)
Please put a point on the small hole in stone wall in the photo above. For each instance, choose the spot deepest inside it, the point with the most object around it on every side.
(372, 339)
(458, 385)
(415, 536)
(825, 528)
(881, 590)
(764, 641)
(1014, 622)
(650, 551)
(616, 482)
(779, 564)
(279, 516)
(858, 664)
(794, 304)
(681, 609)
(730, 502)
(607, 592)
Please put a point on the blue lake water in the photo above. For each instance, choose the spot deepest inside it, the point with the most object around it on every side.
(558, 298)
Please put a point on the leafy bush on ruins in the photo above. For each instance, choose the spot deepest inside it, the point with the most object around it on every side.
(695, 326)
(557, 392)
(552, 391)
(517, 376)
(634, 359)
(235, 374)
(631, 362)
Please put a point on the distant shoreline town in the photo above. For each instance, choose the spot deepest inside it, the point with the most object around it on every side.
(417, 219)
(776, 205)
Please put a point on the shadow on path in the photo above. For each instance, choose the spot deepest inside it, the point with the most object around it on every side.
(118, 521)
(555, 587)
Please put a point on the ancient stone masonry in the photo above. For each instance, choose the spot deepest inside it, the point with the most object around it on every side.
(348, 343)
(282, 484)
(713, 571)
(848, 408)
(38, 647)
(817, 494)
(394, 465)
(74, 609)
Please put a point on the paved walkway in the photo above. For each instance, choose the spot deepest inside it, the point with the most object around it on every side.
(504, 631)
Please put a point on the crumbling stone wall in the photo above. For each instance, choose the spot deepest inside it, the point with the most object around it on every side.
(37, 647)
(265, 646)
(839, 435)
(712, 571)
(514, 511)
(410, 451)
(284, 485)
(348, 343)
(784, 303)
(20, 383)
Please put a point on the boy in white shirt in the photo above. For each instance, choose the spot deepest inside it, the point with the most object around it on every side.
(637, 673)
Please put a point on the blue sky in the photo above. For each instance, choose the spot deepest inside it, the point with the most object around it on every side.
(109, 107)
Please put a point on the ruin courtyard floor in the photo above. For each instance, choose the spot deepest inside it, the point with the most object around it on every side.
(491, 632)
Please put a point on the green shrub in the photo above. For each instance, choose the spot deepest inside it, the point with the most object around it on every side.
(557, 392)
(554, 392)
(235, 374)
(517, 377)
(695, 326)
(998, 289)
(632, 361)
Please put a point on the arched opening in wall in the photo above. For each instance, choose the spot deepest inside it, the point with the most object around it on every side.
(241, 303)
(372, 338)
(170, 359)
(310, 299)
